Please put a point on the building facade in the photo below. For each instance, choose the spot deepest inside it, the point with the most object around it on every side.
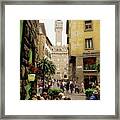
(29, 40)
(29, 37)
(60, 59)
(48, 49)
(44, 45)
(60, 53)
(83, 39)
(42, 41)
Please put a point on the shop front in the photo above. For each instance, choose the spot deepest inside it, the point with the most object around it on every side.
(90, 81)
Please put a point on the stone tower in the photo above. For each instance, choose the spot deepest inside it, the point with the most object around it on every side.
(58, 30)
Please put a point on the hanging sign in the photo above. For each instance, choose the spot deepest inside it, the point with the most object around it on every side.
(31, 77)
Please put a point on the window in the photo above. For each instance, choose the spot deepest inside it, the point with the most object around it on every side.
(65, 76)
(88, 43)
(88, 25)
(58, 72)
(89, 63)
(67, 40)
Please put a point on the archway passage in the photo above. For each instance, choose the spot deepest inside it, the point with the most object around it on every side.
(90, 80)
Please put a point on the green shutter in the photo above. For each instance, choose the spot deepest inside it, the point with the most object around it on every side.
(21, 31)
(30, 56)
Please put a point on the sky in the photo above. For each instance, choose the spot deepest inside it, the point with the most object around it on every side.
(50, 30)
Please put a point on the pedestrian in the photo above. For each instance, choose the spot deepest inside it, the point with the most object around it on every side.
(93, 97)
(40, 98)
(61, 86)
(82, 87)
(58, 85)
(67, 86)
(53, 81)
(96, 94)
(38, 90)
(93, 85)
(65, 98)
(45, 88)
(34, 97)
(68, 98)
(57, 98)
(71, 87)
(61, 96)
(45, 95)
(77, 88)
(49, 84)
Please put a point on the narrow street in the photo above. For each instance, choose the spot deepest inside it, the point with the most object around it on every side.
(76, 96)
(73, 96)
(58, 53)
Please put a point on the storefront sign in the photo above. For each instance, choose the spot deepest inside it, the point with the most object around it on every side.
(79, 67)
(31, 77)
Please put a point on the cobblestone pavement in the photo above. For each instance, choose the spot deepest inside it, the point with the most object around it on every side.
(75, 96)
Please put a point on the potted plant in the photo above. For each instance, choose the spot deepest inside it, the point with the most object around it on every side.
(53, 92)
(89, 92)
(94, 67)
(86, 67)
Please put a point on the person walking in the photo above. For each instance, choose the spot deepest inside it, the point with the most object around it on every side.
(71, 87)
(61, 86)
(77, 88)
(58, 83)
(82, 87)
(67, 86)
(45, 95)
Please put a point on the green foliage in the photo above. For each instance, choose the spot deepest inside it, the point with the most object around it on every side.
(89, 92)
(98, 67)
(54, 91)
(30, 56)
(46, 66)
(27, 88)
(94, 66)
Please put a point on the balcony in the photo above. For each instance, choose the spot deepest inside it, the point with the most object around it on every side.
(90, 68)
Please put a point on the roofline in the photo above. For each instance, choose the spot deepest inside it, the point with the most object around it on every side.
(49, 41)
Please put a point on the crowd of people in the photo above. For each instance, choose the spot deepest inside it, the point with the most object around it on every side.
(68, 87)
(71, 86)
(45, 96)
